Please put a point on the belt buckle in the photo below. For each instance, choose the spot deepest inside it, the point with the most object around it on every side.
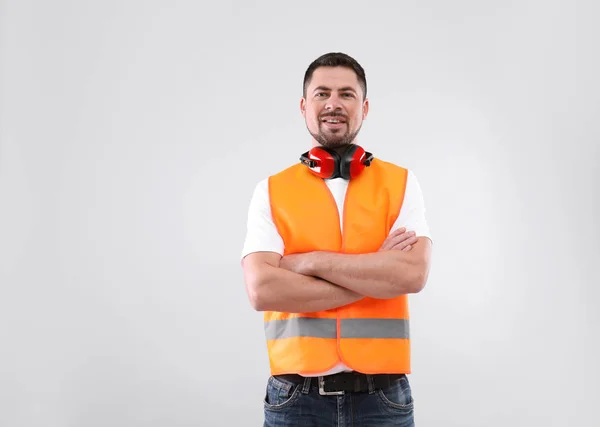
(322, 391)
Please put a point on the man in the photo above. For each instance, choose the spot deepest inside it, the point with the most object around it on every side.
(334, 245)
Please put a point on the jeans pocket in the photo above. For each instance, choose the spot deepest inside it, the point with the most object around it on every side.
(280, 394)
(398, 396)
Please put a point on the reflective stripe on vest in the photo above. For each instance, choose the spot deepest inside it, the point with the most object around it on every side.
(327, 328)
(370, 335)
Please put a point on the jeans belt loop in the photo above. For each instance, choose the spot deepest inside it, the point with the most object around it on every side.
(371, 384)
(306, 385)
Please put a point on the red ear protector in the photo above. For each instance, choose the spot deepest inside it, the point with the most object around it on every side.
(327, 163)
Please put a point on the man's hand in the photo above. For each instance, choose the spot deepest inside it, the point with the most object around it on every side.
(296, 263)
(399, 240)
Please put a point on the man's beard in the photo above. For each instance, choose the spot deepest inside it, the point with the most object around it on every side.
(333, 140)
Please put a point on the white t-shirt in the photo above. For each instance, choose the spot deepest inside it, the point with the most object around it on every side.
(262, 234)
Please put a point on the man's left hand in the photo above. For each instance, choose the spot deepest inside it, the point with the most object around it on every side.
(297, 263)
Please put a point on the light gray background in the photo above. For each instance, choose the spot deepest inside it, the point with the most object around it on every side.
(122, 300)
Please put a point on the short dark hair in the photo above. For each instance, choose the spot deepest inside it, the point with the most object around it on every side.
(336, 59)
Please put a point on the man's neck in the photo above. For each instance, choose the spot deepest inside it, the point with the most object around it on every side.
(338, 150)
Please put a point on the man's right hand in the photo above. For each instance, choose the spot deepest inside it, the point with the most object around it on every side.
(400, 239)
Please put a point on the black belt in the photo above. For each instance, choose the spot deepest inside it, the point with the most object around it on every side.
(344, 381)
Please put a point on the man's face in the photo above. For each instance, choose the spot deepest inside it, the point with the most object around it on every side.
(333, 108)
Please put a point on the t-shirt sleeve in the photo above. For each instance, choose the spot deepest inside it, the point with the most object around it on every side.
(261, 232)
(412, 213)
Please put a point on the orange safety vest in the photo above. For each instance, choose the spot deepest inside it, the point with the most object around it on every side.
(370, 335)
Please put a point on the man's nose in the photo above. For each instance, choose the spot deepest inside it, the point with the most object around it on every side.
(333, 103)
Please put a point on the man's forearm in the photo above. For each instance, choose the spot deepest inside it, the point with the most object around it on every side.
(383, 274)
(277, 289)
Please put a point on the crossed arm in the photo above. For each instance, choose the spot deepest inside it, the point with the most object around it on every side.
(315, 281)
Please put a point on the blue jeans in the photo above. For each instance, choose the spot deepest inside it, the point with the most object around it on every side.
(289, 405)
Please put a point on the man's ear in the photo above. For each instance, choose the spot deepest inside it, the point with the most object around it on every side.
(365, 108)
(303, 106)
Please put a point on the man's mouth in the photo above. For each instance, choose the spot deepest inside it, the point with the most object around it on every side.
(334, 121)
